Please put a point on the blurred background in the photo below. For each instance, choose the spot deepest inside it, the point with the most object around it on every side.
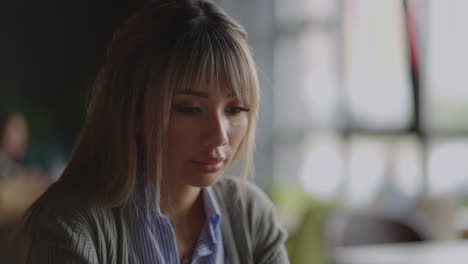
(363, 123)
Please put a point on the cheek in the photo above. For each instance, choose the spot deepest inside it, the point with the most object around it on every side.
(238, 130)
(181, 126)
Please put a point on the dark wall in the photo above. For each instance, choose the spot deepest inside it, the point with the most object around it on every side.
(50, 51)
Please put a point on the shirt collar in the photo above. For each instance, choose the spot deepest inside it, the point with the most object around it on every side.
(211, 206)
(212, 213)
(210, 239)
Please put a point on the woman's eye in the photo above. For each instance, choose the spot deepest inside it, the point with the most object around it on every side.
(188, 110)
(236, 110)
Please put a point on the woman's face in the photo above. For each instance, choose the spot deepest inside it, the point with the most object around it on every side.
(205, 131)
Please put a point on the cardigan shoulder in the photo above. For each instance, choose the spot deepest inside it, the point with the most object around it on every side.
(259, 229)
(70, 231)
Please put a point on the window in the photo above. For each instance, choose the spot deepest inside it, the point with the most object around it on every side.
(344, 104)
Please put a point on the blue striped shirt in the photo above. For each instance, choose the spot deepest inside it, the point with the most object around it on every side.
(154, 241)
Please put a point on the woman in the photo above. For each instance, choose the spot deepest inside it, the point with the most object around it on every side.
(175, 103)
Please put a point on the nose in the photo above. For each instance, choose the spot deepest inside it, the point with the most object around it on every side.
(215, 131)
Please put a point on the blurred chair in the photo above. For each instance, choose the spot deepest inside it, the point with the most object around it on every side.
(307, 245)
(306, 216)
(345, 228)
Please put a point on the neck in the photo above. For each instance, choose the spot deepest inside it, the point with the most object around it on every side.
(180, 203)
(183, 206)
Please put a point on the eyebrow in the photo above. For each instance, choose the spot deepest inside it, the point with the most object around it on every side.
(203, 94)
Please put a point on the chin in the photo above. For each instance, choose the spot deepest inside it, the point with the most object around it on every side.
(204, 180)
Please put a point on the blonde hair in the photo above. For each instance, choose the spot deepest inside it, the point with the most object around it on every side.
(168, 45)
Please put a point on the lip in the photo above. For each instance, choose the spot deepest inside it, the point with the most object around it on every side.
(209, 165)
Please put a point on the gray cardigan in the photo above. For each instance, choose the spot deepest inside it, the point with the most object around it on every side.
(73, 232)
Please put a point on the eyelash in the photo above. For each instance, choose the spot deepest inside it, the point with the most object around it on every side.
(189, 110)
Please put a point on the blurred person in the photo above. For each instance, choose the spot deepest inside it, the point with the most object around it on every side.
(19, 186)
(13, 140)
(175, 103)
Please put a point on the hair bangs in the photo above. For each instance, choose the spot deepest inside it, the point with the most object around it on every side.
(214, 59)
